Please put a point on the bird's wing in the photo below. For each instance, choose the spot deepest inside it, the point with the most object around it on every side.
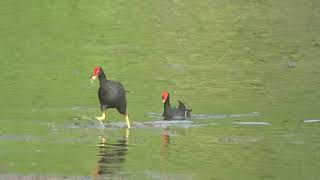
(181, 105)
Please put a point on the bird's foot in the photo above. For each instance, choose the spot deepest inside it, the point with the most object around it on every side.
(100, 118)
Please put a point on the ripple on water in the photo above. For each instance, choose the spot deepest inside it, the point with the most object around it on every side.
(223, 116)
(311, 120)
(251, 123)
(239, 139)
(139, 124)
(160, 176)
(159, 123)
(153, 124)
(209, 116)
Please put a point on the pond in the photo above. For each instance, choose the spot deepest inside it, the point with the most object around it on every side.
(248, 70)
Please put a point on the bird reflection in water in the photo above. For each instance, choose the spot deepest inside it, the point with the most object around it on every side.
(165, 147)
(111, 156)
(165, 142)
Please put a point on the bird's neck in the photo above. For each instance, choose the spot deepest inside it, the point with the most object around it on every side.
(102, 78)
(167, 107)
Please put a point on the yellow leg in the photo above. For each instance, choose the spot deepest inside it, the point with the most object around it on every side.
(127, 133)
(101, 118)
(128, 122)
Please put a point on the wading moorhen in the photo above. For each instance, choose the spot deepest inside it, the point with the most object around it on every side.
(111, 95)
(179, 113)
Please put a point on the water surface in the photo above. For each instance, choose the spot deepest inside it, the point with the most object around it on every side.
(248, 70)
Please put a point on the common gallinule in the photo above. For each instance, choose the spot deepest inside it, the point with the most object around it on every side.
(111, 95)
(179, 113)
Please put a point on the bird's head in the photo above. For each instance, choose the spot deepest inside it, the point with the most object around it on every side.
(96, 72)
(165, 96)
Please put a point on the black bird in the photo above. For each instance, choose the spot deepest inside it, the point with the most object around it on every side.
(180, 112)
(111, 95)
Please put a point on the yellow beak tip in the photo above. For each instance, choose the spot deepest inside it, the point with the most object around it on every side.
(93, 78)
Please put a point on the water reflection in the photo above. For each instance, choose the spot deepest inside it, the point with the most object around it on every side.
(111, 156)
(165, 142)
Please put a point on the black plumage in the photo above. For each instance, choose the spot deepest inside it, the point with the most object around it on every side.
(178, 113)
(111, 94)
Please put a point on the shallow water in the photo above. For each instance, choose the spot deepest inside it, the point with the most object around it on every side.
(248, 70)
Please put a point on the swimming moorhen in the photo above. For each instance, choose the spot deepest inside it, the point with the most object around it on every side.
(179, 113)
(111, 95)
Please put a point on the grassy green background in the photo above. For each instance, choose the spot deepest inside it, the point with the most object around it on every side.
(220, 57)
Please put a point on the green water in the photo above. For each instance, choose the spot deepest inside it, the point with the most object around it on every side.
(230, 61)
